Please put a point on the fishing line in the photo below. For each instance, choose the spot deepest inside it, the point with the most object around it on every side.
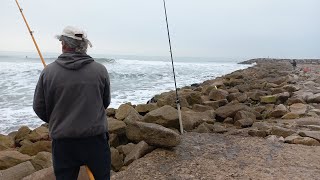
(174, 74)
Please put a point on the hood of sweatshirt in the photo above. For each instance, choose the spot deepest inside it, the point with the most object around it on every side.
(74, 61)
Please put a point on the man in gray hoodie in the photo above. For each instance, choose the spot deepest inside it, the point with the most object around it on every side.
(71, 96)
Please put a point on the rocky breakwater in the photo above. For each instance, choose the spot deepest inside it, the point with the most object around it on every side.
(268, 100)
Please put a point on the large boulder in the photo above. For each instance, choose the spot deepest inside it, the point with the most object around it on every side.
(116, 126)
(244, 123)
(35, 148)
(216, 104)
(152, 134)
(191, 119)
(139, 150)
(244, 115)
(12, 158)
(169, 98)
(123, 111)
(166, 116)
(42, 160)
(194, 98)
(204, 128)
(40, 133)
(17, 172)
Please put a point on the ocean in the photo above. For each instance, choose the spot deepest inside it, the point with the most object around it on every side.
(133, 79)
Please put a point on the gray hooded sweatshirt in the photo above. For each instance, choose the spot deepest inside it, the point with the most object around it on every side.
(71, 95)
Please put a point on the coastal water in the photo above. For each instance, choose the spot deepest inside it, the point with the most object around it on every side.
(134, 80)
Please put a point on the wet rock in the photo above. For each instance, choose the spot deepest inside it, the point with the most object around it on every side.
(42, 160)
(35, 148)
(152, 134)
(166, 116)
(139, 150)
(123, 111)
(17, 172)
(12, 158)
(116, 159)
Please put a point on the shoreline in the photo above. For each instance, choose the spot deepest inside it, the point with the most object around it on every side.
(268, 100)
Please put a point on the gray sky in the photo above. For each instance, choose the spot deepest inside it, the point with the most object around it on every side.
(203, 28)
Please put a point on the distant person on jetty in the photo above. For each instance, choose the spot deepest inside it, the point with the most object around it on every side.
(294, 64)
(71, 95)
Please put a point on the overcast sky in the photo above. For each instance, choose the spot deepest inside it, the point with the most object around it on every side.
(199, 28)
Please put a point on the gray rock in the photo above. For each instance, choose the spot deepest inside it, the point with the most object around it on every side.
(166, 116)
(40, 133)
(153, 134)
(244, 115)
(258, 133)
(191, 119)
(123, 111)
(21, 134)
(111, 112)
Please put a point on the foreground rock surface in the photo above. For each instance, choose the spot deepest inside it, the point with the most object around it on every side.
(216, 156)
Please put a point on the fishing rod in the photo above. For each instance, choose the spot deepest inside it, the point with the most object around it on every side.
(174, 74)
(91, 177)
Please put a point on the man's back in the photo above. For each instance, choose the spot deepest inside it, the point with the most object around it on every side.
(77, 91)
